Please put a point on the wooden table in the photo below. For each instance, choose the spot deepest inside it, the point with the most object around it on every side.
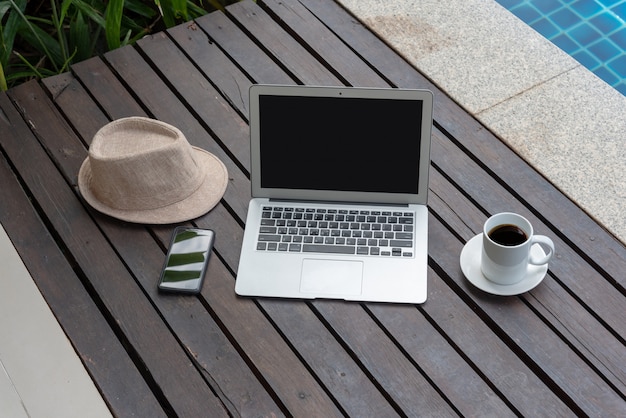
(558, 350)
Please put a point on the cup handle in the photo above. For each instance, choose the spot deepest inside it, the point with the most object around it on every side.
(542, 239)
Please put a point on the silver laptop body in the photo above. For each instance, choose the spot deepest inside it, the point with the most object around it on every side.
(339, 185)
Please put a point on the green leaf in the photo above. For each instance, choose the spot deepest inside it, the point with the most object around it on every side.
(90, 12)
(44, 43)
(179, 7)
(57, 23)
(166, 12)
(126, 39)
(79, 39)
(140, 8)
(10, 30)
(113, 22)
(172, 11)
(3, 80)
(32, 68)
(195, 11)
(4, 7)
(66, 30)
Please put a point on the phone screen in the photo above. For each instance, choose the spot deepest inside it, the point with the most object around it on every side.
(186, 260)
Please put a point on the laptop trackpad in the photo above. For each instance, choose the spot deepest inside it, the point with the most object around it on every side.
(331, 277)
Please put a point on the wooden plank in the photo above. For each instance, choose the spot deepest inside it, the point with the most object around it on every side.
(389, 64)
(120, 382)
(594, 293)
(334, 366)
(362, 383)
(163, 104)
(514, 354)
(599, 294)
(282, 369)
(586, 235)
(285, 58)
(401, 379)
(275, 41)
(566, 373)
(201, 97)
(214, 64)
(242, 50)
(279, 57)
(324, 43)
(113, 97)
(87, 117)
(210, 349)
(273, 365)
(562, 310)
(94, 75)
(290, 327)
(469, 184)
(465, 359)
(140, 326)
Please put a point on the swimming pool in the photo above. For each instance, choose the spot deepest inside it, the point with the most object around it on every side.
(592, 31)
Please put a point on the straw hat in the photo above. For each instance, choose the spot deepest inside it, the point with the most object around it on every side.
(143, 170)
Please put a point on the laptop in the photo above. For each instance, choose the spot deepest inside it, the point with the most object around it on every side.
(339, 190)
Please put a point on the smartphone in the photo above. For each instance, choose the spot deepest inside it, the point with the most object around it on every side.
(187, 259)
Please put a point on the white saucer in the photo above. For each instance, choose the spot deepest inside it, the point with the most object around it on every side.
(470, 264)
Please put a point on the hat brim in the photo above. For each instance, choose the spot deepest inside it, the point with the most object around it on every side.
(197, 204)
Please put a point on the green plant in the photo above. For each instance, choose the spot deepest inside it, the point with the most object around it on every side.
(38, 39)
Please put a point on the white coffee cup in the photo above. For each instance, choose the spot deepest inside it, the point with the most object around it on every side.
(507, 240)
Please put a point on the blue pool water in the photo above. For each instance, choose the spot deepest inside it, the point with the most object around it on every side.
(591, 31)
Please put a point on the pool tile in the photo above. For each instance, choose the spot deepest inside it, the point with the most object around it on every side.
(546, 28)
(606, 75)
(606, 22)
(604, 50)
(526, 12)
(619, 38)
(585, 34)
(565, 18)
(620, 10)
(591, 31)
(619, 66)
(509, 4)
(586, 8)
(586, 59)
(566, 44)
(547, 6)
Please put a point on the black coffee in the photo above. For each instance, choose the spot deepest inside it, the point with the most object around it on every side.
(509, 235)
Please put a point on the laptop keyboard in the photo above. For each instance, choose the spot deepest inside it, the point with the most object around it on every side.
(336, 231)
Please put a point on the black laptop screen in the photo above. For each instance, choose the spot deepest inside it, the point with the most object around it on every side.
(340, 143)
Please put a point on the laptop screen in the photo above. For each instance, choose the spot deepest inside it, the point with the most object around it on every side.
(352, 143)
(331, 143)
